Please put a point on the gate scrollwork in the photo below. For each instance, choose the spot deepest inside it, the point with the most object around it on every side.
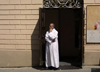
(61, 3)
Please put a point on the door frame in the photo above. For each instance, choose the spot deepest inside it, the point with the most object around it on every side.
(42, 22)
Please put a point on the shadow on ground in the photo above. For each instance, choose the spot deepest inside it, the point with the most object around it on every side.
(95, 69)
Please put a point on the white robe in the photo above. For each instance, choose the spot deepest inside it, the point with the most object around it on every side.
(52, 51)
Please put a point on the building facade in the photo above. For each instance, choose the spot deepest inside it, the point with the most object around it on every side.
(91, 51)
(19, 34)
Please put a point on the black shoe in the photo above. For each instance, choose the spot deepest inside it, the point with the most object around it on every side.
(50, 68)
(56, 68)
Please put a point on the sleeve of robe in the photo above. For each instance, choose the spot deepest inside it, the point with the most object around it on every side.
(53, 35)
(47, 38)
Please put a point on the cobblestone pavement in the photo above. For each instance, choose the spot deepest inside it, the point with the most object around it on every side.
(30, 69)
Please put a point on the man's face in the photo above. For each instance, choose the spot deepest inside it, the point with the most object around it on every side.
(51, 26)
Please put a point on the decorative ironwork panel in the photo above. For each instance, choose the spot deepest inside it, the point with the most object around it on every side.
(62, 3)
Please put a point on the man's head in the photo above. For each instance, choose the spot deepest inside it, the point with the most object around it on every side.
(51, 25)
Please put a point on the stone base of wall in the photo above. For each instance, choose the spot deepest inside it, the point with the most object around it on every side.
(28, 58)
(19, 58)
(92, 58)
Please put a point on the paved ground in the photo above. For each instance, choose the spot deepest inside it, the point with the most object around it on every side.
(30, 69)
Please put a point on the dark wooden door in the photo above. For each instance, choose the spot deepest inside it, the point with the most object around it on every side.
(70, 36)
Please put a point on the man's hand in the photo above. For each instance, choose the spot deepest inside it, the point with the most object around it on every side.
(50, 29)
(53, 40)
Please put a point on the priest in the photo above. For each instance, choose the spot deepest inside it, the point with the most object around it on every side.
(52, 51)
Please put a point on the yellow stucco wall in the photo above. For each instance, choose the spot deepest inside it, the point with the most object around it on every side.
(91, 51)
(19, 31)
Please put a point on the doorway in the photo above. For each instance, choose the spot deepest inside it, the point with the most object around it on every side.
(68, 23)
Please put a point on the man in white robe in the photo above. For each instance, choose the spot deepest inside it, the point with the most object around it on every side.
(52, 52)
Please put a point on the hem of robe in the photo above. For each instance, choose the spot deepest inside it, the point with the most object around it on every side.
(52, 66)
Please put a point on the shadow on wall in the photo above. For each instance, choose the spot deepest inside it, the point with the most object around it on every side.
(35, 46)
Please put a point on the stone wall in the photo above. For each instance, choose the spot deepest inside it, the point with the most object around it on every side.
(19, 32)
